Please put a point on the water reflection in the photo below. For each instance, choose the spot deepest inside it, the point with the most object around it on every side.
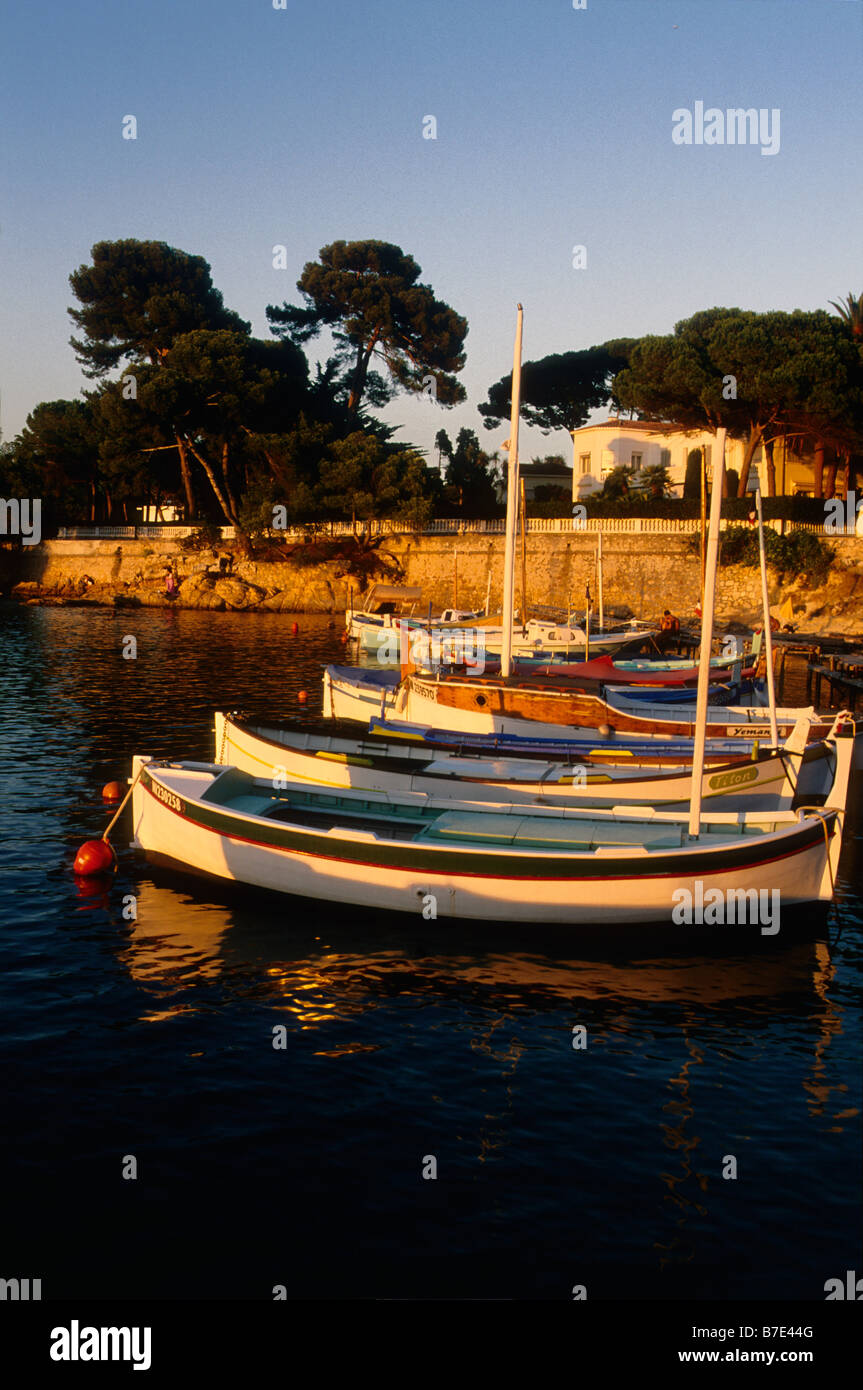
(181, 935)
(315, 971)
(398, 1027)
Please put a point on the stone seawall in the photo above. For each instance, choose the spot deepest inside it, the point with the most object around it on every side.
(642, 575)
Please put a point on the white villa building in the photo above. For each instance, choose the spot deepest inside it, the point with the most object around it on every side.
(638, 444)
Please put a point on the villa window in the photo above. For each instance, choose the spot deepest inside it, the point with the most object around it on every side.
(635, 462)
(584, 463)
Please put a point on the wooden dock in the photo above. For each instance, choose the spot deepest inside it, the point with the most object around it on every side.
(844, 676)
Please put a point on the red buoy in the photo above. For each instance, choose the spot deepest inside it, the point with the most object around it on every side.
(93, 889)
(295, 627)
(94, 857)
(112, 791)
(303, 696)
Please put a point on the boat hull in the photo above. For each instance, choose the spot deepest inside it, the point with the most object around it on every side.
(488, 705)
(517, 711)
(621, 884)
(769, 783)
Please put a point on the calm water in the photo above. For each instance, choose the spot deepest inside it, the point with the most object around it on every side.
(405, 1039)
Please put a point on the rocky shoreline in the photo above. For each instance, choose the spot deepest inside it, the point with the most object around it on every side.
(246, 586)
(643, 576)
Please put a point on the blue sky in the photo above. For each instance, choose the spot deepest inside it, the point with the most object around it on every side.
(301, 126)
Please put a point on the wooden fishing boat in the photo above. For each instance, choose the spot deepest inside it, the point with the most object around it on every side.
(479, 701)
(536, 705)
(736, 693)
(380, 605)
(576, 632)
(386, 641)
(611, 671)
(648, 750)
(430, 652)
(280, 752)
(386, 607)
(568, 642)
(514, 865)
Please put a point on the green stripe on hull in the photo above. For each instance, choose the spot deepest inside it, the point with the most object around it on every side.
(437, 858)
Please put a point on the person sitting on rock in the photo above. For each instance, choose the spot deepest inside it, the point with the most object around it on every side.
(670, 623)
(170, 582)
(669, 628)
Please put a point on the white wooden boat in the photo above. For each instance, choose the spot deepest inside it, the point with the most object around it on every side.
(650, 750)
(537, 705)
(387, 606)
(280, 752)
(572, 630)
(565, 642)
(379, 608)
(539, 866)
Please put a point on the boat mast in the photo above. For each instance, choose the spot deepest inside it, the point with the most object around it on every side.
(703, 518)
(707, 608)
(768, 635)
(599, 581)
(455, 581)
(511, 508)
(523, 518)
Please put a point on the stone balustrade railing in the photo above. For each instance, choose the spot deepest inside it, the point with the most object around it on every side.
(609, 526)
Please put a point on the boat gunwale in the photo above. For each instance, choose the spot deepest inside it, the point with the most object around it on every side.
(447, 858)
(385, 762)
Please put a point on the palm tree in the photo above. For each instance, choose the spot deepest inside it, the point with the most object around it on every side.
(655, 481)
(851, 310)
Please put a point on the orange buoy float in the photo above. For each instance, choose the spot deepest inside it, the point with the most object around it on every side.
(295, 627)
(95, 889)
(303, 696)
(95, 857)
(112, 791)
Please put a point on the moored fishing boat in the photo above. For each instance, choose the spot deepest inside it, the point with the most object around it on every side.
(536, 705)
(566, 642)
(647, 750)
(380, 606)
(609, 670)
(542, 866)
(386, 607)
(385, 642)
(278, 752)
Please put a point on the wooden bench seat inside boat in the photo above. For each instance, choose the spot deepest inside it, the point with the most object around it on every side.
(567, 835)
(252, 805)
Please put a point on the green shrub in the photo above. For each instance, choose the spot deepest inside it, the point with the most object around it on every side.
(207, 536)
(800, 552)
(352, 558)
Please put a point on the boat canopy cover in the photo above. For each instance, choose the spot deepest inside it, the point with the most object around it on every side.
(387, 593)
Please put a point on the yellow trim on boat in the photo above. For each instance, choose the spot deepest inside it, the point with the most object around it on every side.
(273, 767)
(350, 758)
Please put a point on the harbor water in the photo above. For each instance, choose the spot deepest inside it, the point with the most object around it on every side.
(212, 1094)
